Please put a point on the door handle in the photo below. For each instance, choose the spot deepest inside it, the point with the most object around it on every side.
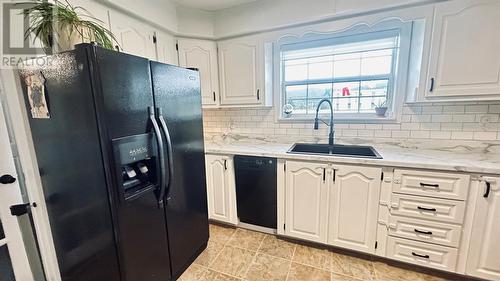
(324, 174)
(258, 94)
(214, 96)
(161, 154)
(488, 189)
(7, 179)
(170, 155)
(225, 164)
(432, 85)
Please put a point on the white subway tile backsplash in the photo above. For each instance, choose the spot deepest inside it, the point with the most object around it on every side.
(485, 135)
(494, 108)
(441, 118)
(430, 126)
(410, 126)
(421, 118)
(452, 126)
(476, 109)
(441, 135)
(457, 121)
(391, 127)
(420, 134)
(462, 135)
(401, 134)
(463, 118)
(454, 109)
(432, 109)
(383, 134)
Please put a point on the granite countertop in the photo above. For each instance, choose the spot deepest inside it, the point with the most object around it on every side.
(482, 158)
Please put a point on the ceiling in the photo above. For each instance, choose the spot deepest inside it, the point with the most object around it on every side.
(212, 5)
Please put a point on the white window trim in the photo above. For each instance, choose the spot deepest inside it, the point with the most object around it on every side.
(398, 85)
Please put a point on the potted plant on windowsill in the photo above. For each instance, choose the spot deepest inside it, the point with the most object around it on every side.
(381, 108)
(60, 26)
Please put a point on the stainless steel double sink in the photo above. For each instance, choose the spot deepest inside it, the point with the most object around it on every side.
(356, 151)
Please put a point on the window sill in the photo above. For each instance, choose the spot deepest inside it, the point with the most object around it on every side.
(342, 120)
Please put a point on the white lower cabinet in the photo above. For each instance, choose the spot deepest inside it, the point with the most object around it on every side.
(484, 250)
(360, 208)
(306, 201)
(221, 193)
(332, 205)
(354, 195)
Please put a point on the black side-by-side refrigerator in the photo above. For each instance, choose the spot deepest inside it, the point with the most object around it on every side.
(120, 152)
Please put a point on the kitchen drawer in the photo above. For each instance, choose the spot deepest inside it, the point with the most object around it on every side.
(432, 184)
(443, 210)
(426, 231)
(425, 254)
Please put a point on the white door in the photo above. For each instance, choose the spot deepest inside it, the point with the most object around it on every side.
(13, 259)
(484, 250)
(134, 37)
(465, 60)
(241, 65)
(165, 48)
(202, 54)
(221, 191)
(354, 196)
(306, 206)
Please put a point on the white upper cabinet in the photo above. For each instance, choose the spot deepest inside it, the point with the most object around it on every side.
(165, 48)
(354, 196)
(221, 193)
(465, 51)
(484, 250)
(241, 66)
(134, 37)
(202, 54)
(306, 203)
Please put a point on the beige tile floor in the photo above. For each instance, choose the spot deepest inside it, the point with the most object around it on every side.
(240, 254)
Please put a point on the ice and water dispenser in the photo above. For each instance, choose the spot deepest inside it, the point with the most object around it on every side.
(136, 162)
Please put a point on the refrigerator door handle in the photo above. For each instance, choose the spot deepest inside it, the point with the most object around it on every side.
(161, 159)
(169, 150)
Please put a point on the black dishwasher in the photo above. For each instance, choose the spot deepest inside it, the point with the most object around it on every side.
(256, 190)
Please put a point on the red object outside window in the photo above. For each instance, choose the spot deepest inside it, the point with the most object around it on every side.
(345, 92)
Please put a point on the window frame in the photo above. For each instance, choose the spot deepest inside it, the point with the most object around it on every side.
(398, 77)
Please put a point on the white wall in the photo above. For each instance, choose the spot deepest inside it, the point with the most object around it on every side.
(160, 12)
(265, 15)
(194, 22)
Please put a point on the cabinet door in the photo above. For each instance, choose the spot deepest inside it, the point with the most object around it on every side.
(241, 66)
(220, 189)
(306, 203)
(354, 196)
(165, 48)
(465, 57)
(202, 55)
(134, 37)
(484, 250)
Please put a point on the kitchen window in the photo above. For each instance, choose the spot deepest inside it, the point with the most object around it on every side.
(357, 72)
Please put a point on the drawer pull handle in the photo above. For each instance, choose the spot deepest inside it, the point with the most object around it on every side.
(429, 185)
(423, 232)
(420, 256)
(427, 209)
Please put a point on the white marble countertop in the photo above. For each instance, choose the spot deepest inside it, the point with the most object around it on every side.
(481, 158)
